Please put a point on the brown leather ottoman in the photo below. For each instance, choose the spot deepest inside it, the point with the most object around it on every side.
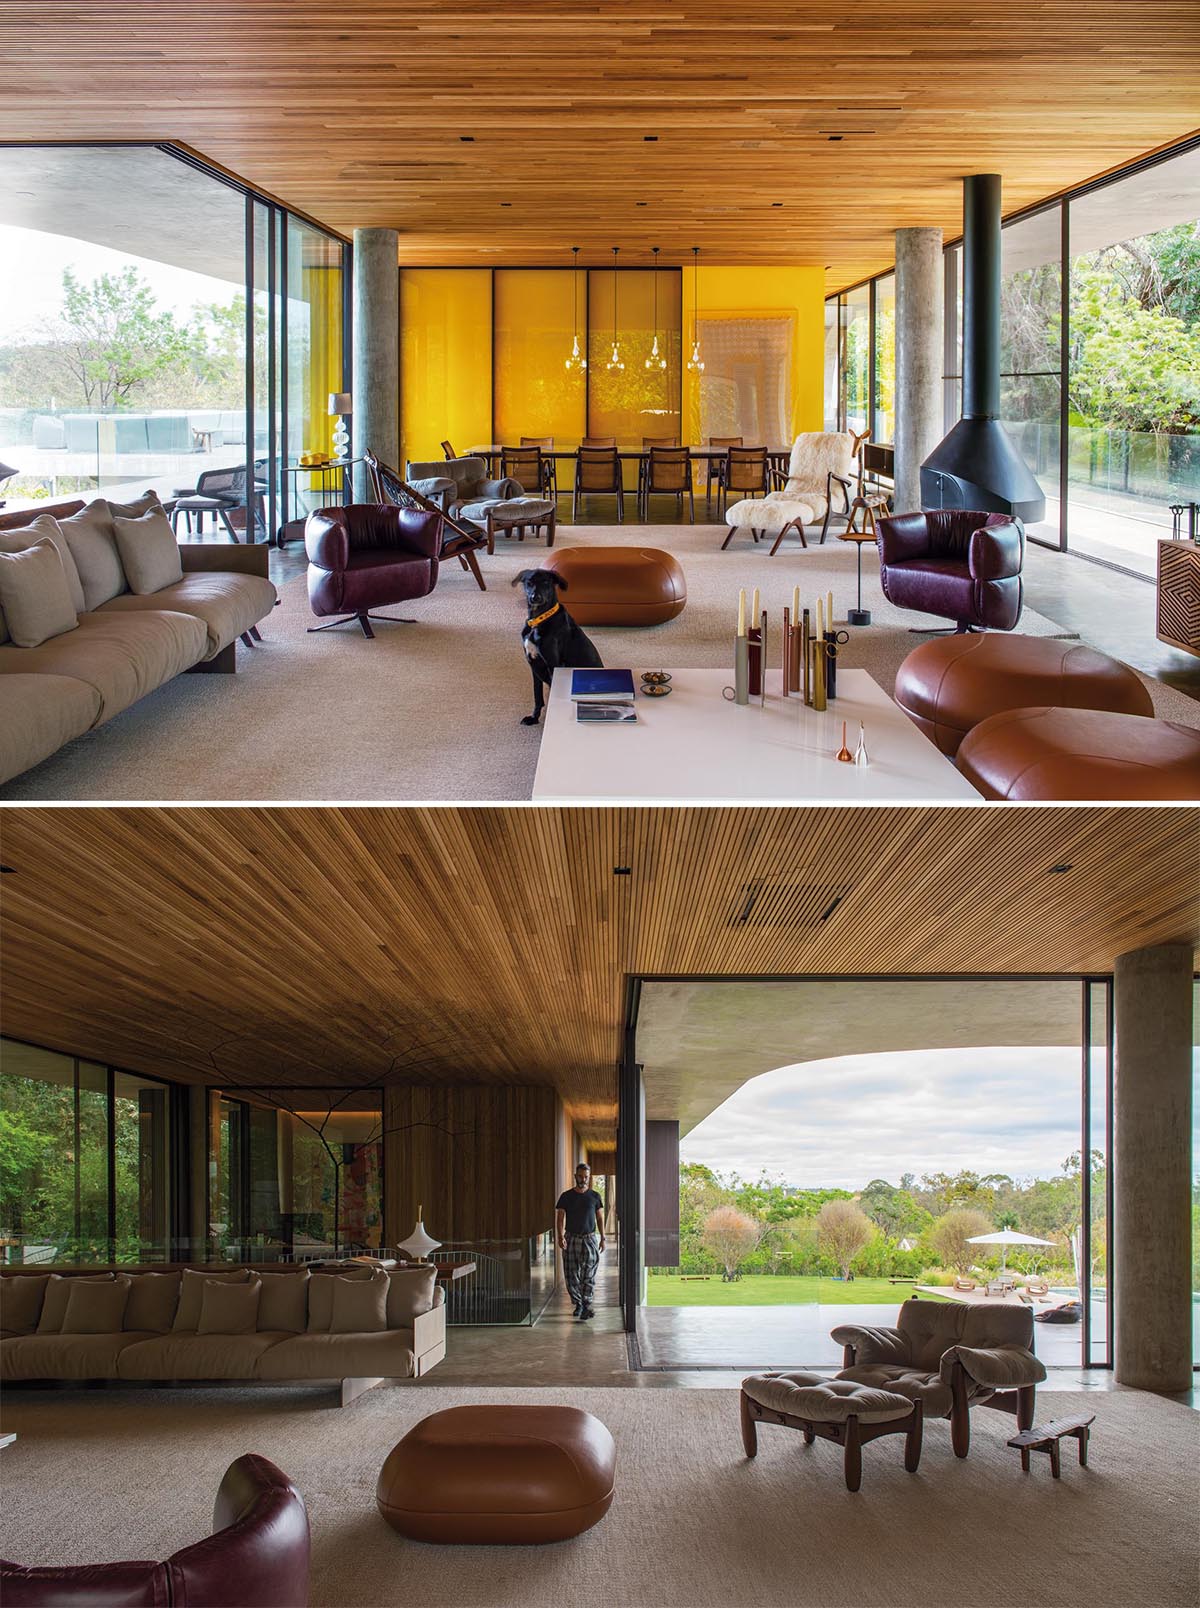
(949, 684)
(620, 585)
(499, 1476)
(1079, 755)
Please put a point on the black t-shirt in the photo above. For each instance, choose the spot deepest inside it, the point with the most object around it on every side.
(583, 1210)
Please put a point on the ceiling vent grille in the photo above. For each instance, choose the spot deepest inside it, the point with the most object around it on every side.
(766, 902)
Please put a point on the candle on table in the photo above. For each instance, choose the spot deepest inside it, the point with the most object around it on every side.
(754, 607)
(741, 630)
(795, 602)
(820, 618)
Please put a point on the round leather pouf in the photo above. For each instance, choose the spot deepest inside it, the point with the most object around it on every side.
(499, 1476)
(619, 585)
(949, 684)
(1080, 756)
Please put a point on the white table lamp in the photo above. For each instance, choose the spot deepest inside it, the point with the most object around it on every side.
(418, 1243)
(341, 406)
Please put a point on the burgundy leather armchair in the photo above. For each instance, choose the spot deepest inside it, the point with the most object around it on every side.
(369, 554)
(256, 1557)
(962, 565)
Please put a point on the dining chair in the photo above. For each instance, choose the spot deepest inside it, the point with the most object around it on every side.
(598, 441)
(668, 472)
(526, 466)
(448, 451)
(598, 469)
(549, 466)
(745, 471)
(716, 466)
(648, 443)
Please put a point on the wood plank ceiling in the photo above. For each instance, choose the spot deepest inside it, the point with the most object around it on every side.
(781, 132)
(342, 946)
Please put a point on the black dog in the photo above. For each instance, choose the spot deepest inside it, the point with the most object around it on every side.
(550, 637)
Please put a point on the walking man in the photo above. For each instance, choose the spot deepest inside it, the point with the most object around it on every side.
(579, 1229)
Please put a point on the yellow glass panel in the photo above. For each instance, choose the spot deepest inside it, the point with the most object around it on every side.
(762, 341)
(445, 360)
(633, 402)
(534, 392)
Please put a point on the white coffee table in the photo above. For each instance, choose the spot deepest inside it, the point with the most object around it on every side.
(698, 745)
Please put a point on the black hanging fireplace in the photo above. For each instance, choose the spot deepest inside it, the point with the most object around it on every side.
(978, 465)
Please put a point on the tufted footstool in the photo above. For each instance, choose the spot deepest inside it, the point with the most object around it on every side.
(620, 585)
(519, 514)
(836, 1410)
(949, 684)
(768, 516)
(1081, 756)
(499, 1476)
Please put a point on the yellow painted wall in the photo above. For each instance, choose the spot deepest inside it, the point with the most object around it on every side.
(750, 292)
(445, 360)
(322, 290)
(535, 394)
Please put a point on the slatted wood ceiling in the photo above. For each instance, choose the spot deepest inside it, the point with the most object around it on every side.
(354, 112)
(330, 945)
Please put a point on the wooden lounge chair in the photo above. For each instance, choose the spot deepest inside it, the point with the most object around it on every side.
(964, 1284)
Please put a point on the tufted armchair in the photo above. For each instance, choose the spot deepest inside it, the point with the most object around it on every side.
(963, 565)
(368, 554)
(461, 486)
(950, 1357)
(823, 466)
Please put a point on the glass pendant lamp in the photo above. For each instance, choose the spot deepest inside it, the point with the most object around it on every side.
(615, 360)
(576, 363)
(695, 362)
(656, 360)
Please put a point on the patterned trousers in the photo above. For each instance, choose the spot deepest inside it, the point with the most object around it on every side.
(580, 1261)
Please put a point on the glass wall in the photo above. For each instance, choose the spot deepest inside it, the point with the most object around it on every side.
(445, 361)
(142, 346)
(537, 311)
(883, 418)
(294, 1174)
(84, 1161)
(629, 400)
(1114, 371)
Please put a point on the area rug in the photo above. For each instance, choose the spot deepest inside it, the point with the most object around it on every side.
(432, 711)
(132, 1474)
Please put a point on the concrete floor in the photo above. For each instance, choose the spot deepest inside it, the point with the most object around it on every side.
(1110, 610)
(559, 1350)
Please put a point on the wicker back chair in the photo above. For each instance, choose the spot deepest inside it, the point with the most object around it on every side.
(598, 469)
(668, 472)
(716, 466)
(525, 466)
(549, 466)
(459, 540)
(746, 472)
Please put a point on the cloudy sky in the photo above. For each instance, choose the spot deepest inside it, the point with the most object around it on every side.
(843, 1121)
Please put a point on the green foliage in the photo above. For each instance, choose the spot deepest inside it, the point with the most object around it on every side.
(950, 1238)
(112, 337)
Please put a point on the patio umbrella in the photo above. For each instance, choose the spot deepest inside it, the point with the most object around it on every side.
(1006, 1237)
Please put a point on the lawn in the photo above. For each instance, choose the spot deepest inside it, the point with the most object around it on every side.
(763, 1289)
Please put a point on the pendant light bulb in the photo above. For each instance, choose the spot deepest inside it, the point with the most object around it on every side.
(614, 357)
(577, 362)
(695, 362)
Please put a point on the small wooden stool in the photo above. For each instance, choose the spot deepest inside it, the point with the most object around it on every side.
(1049, 1438)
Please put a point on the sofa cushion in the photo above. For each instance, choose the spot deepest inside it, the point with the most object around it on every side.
(21, 1302)
(65, 1356)
(122, 656)
(410, 1293)
(153, 1298)
(284, 1301)
(197, 1356)
(229, 1307)
(386, 1355)
(96, 1308)
(148, 550)
(360, 1306)
(824, 1401)
(34, 594)
(320, 1296)
(931, 1327)
(58, 1293)
(38, 714)
(191, 1294)
(93, 543)
(226, 604)
(38, 529)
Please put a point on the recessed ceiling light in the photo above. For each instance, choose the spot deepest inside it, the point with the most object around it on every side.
(622, 870)
(650, 138)
(467, 139)
(642, 203)
(506, 203)
(8, 870)
(1060, 868)
(776, 203)
(834, 137)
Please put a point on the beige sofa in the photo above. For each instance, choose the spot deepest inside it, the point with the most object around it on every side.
(125, 644)
(161, 1336)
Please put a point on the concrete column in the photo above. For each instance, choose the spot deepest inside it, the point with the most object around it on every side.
(376, 378)
(1152, 1138)
(918, 358)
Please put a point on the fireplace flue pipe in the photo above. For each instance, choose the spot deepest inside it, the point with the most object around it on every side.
(981, 296)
